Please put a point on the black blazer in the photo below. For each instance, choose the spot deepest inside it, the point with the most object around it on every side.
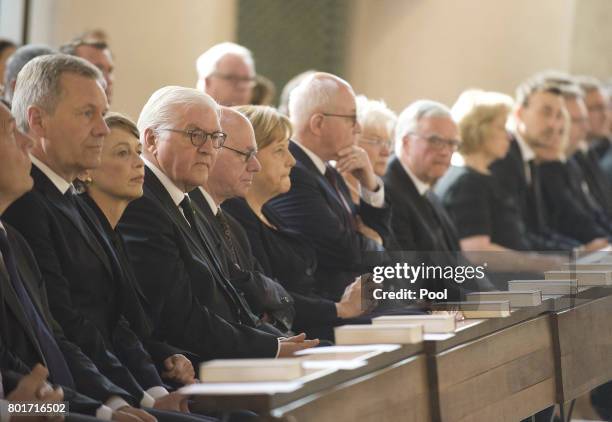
(510, 174)
(19, 348)
(263, 294)
(84, 285)
(567, 209)
(285, 256)
(594, 175)
(188, 304)
(313, 208)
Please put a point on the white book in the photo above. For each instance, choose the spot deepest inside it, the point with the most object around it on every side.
(517, 298)
(251, 370)
(595, 266)
(436, 323)
(373, 334)
(482, 309)
(584, 277)
(547, 287)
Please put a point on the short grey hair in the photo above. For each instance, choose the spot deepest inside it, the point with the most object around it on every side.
(39, 83)
(312, 95)
(162, 107)
(208, 61)
(17, 61)
(408, 120)
(375, 114)
(589, 83)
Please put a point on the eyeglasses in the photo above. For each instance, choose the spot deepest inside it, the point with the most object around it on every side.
(379, 143)
(351, 117)
(235, 79)
(246, 154)
(198, 137)
(437, 142)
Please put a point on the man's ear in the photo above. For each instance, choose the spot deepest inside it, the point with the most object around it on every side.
(406, 143)
(36, 121)
(150, 141)
(315, 123)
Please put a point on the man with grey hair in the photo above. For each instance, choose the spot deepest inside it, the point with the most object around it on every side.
(597, 104)
(319, 205)
(226, 72)
(194, 304)
(17, 61)
(59, 101)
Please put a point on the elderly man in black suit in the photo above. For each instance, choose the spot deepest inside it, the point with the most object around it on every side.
(194, 304)
(323, 114)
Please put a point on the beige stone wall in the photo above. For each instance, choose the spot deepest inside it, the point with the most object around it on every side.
(405, 50)
(592, 42)
(155, 42)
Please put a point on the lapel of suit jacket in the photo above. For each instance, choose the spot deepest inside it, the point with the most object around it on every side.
(12, 301)
(329, 191)
(57, 200)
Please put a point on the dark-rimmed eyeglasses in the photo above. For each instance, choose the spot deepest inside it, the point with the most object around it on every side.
(377, 142)
(235, 79)
(246, 154)
(198, 137)
(351, 117)
(437, 142)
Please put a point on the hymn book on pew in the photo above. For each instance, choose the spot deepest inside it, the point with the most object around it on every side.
(517, 298)
(583, 277)
(547, 287)
(483, 309)
(375, 334)
(438, 323)
(251, 370)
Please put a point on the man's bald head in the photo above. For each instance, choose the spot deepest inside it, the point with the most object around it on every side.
(232, 174)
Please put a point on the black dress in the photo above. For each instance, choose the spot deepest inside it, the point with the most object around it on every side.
(287, 257)
(478, 206)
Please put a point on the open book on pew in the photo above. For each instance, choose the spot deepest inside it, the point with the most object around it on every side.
(436, 323)
(583, 277)
(376, 334)
(517, 298)
(476, 310)
(547, 287)
(251, 370)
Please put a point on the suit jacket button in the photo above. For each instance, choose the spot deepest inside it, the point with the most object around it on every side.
(309, 271)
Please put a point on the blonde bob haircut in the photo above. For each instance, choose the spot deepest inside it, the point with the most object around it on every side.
(116, 120)
(474, 112)
(268, 123)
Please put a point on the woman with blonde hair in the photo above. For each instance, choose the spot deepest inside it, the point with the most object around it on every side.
(282, 253)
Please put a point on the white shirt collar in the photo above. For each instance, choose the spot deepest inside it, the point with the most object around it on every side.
(177, 194)
(526, 151)
(56, 179)
(583, 146)
(210, 200)
(421, 186)
(319, 164)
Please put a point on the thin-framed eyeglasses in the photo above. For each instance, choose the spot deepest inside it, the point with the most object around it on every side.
(246, 154)
(235, 79)
(198, 137)
(438, 142)
(351, 117)
(377, 142)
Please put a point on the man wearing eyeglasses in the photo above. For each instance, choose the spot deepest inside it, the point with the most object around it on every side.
(318, 205)
(226, 72)
(194, 304)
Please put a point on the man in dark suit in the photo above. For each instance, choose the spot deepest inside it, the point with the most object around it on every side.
(193, 303)
(426, 138)
(28, 333)
(318, 205)
(78, 273)
(539, 123)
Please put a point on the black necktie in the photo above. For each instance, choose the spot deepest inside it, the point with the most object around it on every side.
(536, 191)
(227, 234)
(56, 364)
(332, 176)
(439, 228)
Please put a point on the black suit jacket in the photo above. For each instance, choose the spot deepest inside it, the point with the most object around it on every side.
(567, 209)
(599, 184)
(19, 348)
(313, 208)
(83, 283)
(189, 307)
(510, 173)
